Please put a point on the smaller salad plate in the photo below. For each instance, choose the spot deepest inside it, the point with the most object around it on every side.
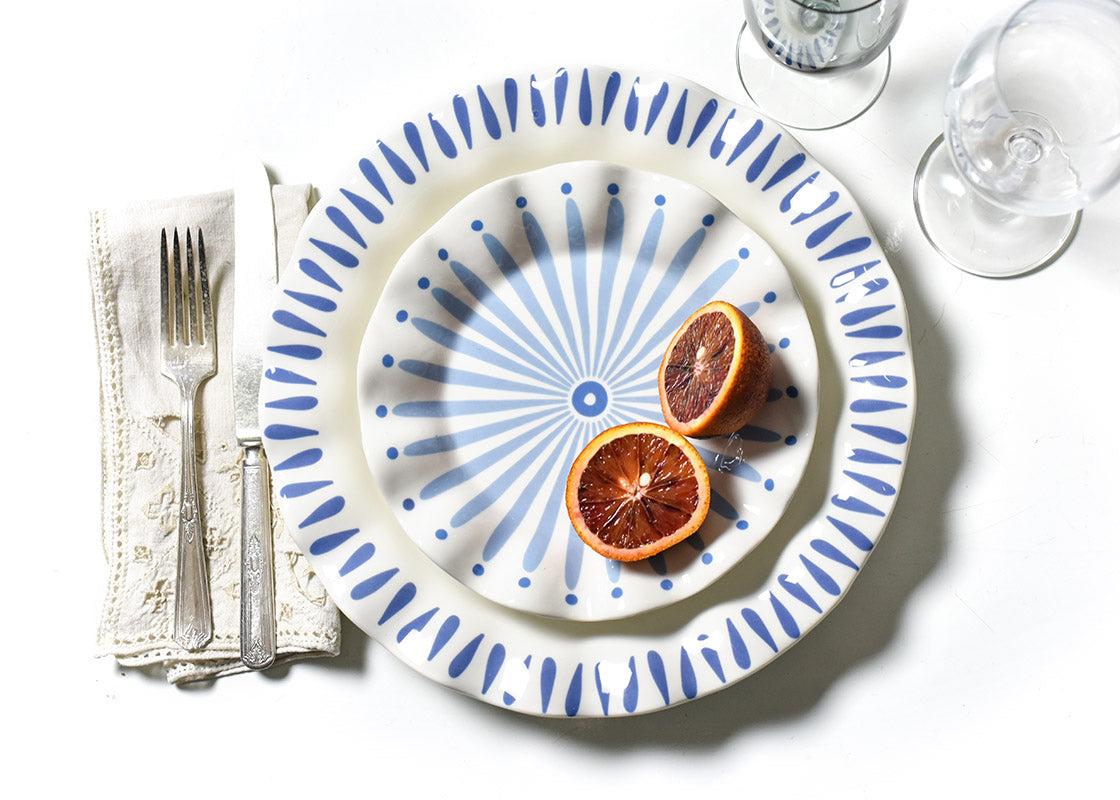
(534, 315)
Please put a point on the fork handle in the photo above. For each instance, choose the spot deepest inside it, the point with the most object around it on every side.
(194, 626)
(258, 620)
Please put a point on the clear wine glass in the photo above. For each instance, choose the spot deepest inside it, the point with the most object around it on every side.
(816, 64)
(1032, 136)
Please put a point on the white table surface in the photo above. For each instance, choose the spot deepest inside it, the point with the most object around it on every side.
(976, 654)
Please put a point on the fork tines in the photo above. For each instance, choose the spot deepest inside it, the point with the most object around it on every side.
(188, 354)
(196, 324)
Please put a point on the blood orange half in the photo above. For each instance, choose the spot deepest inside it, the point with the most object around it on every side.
(637, 489)
(716, 372)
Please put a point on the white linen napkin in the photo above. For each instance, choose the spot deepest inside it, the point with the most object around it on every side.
(140, 450)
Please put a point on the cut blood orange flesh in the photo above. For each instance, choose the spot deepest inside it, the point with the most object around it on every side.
(716, 372)
(637, 489)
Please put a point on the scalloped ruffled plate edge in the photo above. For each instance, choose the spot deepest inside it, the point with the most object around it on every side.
(648, 121)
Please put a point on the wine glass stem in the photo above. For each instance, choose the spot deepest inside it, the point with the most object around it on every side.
(1025, 146)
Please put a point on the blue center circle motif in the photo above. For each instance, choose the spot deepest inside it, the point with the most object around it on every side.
(589, 399)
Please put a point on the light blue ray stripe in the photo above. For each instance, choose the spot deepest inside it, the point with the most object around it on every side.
(516, 279)
(538, 243)
(704, 292)
(469, 318)
(486, 498)
(462, 377)
(546, 527)
(638, 411)
(577, 253)
(638, 378)
(642, 263)
(456, 408)
(614, 419)
(469, 469)
(677, 267)
(637, 384)
(722, 506)
(612, 249)
(453, 441)
(466, 315)
(460, 344)
(573, 561)
(539, 482)
(643, 394)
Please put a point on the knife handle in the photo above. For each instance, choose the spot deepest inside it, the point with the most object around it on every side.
(258, 602)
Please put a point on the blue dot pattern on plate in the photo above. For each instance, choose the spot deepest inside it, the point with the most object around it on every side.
(875, 423)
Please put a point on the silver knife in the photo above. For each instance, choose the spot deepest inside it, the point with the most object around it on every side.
(255, 272)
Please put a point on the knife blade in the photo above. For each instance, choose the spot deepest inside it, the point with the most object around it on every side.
(255, 273)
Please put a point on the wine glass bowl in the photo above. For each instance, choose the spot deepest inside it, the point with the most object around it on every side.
(816, 35)
(1032, 136)
(815, 64)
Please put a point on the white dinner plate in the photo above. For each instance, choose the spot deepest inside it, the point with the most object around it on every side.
(759, 608)
(530, 318)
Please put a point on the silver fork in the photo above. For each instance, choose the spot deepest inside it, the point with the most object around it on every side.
(189, 357)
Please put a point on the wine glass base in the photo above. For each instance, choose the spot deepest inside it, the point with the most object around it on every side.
(977, 236)
(808, 101)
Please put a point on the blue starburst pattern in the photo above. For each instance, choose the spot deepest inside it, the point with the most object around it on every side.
(373, 570)
(548, 301)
